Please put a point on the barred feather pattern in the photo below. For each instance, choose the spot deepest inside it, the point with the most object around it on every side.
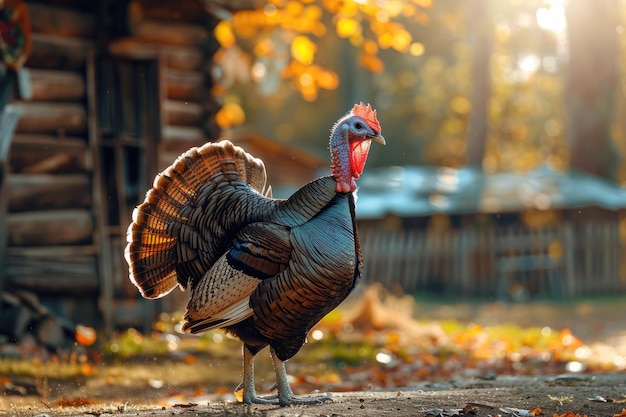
(189, 216)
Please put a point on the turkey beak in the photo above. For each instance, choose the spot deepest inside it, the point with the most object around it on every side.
(377, 138)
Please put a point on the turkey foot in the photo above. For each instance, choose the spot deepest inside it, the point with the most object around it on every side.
(285, 394)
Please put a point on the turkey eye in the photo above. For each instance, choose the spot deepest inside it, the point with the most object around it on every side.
(358, 125)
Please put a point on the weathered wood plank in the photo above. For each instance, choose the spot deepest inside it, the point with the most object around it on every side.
(40, 228)
(54, 52)
(51, 117)
(170, 33)
(183, 113)
(185, 85)
(48, 192)
(175, 137)
(191, 11)
(41, 154)
(48, 85)
(61, 21)
(187, 58)
(99, 196)
(8, 121)
(68, 270)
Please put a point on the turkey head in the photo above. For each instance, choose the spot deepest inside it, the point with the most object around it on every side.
(350, 143)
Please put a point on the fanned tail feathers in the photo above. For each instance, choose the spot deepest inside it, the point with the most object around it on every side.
(158, 258)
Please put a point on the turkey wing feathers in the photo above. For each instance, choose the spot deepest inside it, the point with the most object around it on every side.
(261, 250)
(221, 297)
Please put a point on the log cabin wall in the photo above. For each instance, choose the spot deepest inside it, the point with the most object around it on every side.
(50, 226)
(119, 90)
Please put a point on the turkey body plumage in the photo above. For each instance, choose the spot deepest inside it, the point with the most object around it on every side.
(263, 269)
(289, 267)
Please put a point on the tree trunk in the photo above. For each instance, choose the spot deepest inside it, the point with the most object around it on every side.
(480, 30)
(591, 85)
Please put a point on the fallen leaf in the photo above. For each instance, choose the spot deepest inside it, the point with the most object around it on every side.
(155, 383)
(597, 399)
(519, 412)
(561, 400)
(239, 395)
(190, 405)
(622, 414)
(74, 402)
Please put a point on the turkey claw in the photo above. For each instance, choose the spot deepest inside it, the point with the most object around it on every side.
(307, 400)
(269, 399)
(285, 402)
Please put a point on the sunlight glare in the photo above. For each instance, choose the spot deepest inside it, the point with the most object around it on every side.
(552, 18)
(259, 71)
(574, 367)
(383, 357)
(529, 63)
(317, 334)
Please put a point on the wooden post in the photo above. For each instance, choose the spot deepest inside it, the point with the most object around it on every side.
(101, 238)
(8, 121)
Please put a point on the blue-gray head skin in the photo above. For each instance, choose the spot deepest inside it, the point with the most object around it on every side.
(350, 143)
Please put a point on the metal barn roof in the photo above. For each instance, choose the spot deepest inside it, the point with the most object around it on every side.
(413, 191)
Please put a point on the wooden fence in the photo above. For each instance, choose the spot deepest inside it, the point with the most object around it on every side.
(499, 261)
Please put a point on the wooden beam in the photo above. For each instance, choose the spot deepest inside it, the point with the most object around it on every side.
(51, 117)
(48, 192)
(8, 120)
(61, 21)
(54, 52)
(40, 228)
(101, 237)
(53, 269)
(168, 33)
(40, 154)
(177, 57)
(49, 85)
(183, 113)
(175, 137)
(188, 11)
(185, 85)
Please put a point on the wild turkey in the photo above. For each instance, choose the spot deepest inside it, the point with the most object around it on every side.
(263, 269)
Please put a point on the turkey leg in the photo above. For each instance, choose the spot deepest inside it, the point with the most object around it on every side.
(285, 394)
(249, 390)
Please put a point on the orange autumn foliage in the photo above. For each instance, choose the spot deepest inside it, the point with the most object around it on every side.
(368, 26)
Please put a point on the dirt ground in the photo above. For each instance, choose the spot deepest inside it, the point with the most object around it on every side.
(151, 387)
(503, 396)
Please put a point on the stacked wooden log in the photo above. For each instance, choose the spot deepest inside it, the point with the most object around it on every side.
(50, 221)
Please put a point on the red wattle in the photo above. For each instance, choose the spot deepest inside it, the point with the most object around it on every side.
(358, 155)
